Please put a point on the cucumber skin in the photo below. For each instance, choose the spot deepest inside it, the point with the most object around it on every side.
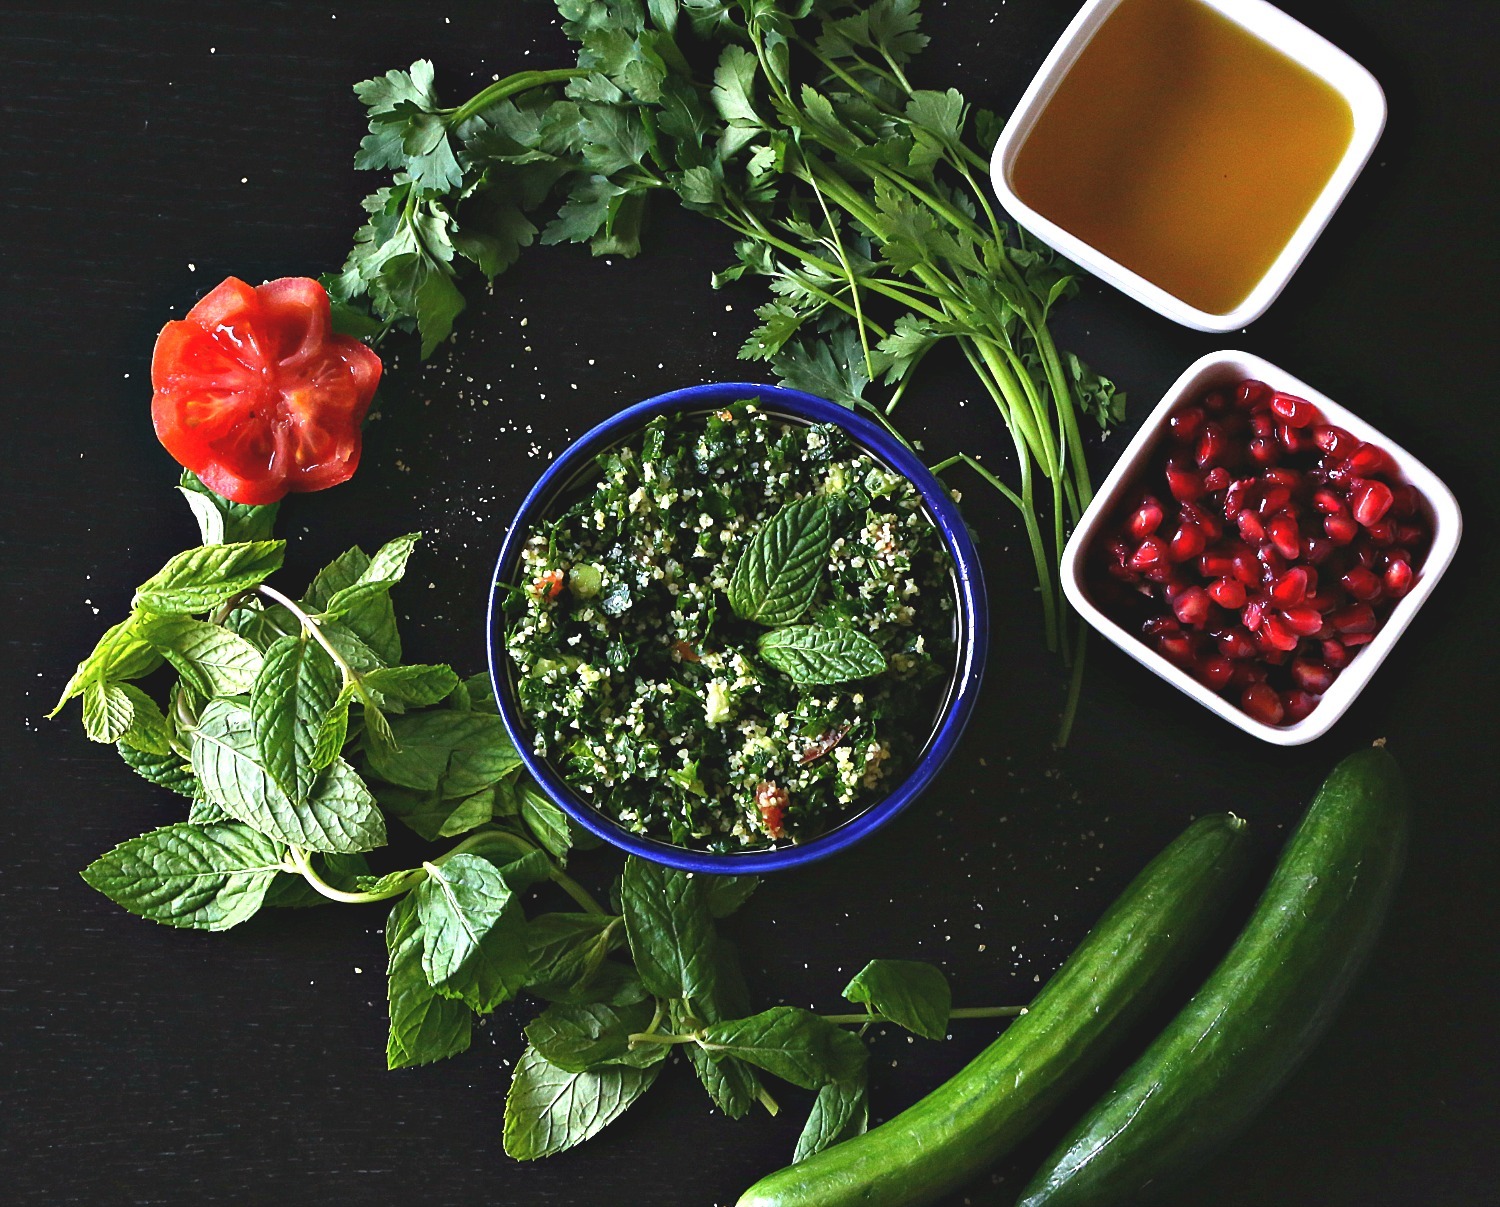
(1260, 1012)
(968, 1123)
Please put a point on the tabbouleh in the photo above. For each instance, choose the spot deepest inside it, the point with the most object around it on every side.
(655, 701)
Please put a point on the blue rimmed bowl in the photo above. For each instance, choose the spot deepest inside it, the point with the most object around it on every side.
(573, 469)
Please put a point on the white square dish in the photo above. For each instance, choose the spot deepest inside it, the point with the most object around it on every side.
(1270, 25)
(1206, 373)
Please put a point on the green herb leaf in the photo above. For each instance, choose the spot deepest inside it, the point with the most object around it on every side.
(568, 953)
(813, 654)
(333, 729)
(908, 992)
(547, 823)
(793, 1044)
(213, 660)
(782, 565)
(670, 927)
(122, 653)
(203, 578)
(425, 1026)
(295, 690)
(418, 686)
(434, 816)
(840, 1111)
(200, 877)
(107, 712)
(463, 752)
(727, 893)
(169, 770)
(339, 815)
(549, 1110)
(575, 1038)
(148, 730)
(221, 521)
(473, 947)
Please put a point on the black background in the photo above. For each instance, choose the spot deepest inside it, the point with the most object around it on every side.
(154, 148)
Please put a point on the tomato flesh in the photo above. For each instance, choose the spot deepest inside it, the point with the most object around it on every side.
(255, 393)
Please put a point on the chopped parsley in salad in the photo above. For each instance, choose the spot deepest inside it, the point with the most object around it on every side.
(739, 636)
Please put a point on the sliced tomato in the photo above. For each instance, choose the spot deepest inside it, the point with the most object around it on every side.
(257, 396)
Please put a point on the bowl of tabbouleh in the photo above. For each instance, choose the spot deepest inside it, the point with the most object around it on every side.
(736, 628)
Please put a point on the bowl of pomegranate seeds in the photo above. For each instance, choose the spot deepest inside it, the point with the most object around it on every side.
(1260, 547)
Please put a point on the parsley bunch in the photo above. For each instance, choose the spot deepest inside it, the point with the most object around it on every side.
(857, 197)
(298, 736)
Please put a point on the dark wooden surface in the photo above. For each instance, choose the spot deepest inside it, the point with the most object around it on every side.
(154, 148)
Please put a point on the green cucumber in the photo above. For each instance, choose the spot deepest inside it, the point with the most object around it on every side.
(968, 1123)
(1259, 1012)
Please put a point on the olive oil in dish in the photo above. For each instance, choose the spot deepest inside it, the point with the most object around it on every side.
(1185, 148)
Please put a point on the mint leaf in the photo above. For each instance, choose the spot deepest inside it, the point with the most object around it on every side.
(473, 945)
(434, 816)
(782, 565)
(372, 622)
(549, 1110)
(908, 992)
(575, 1038)
(122, 653)
(814, 654)
(425, 1026)
(221, 521)
(840, 1111)
(418, 686)
(107, 712)
(727, 893)
(203, 578)
(333, 730)
(339, 815)
(567, 953)
(547, 823)
(384, 571)
(200, 877)
(213, 660)
(296, 688)
(671, 930)
(793, 1044)
(169, 770)
(148, 730)
(463, 752)
(205, 813)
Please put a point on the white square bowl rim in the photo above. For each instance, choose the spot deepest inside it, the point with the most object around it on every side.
(1447, 528)
(1339, 70)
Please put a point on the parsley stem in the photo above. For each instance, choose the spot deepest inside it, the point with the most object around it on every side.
(647, 1037)
(763, 1096)
(511, 85)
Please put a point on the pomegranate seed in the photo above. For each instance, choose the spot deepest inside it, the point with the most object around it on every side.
(1298, 705)
(1216, 479)
(1272, 564)
(1184, 484)
(1357, 618)
(1216, 672)
(1404, 501)
(1262, 703)
(1185, 424)
(1251, 529)
(1157, 574)
(1282, 476)
(1362, 584)
(1317, 549)
(1264, 451)
(1192, 607)
(1291, 588)
(1408, 534)
(1341, 529)
(1213, 446)
(1215, 565)
(1237, 497)
(1285, 536)
(1329, 503)
(1365, 554)
(1253, 616)
(1338, 473)
(1273, 498)
(1398, 578)
(1122, 574)
(1312, 676)
(1236, 644)
(1248, 672)
(1187, 543)
(1262, 425)
(1370, 459)
(1334, 653)
(1382, 534)
(1302, 621)
(1203, 520)
(1215, 402)
(1247, 569)
(1334, 441)
(1353, 640)
(1151, 552)
(1146, 519)
(1279, 635)
(1158, 625)
(1371, 500)
(1250, 393)
(1176, 647)
(1296, 412)
(1228, 593)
